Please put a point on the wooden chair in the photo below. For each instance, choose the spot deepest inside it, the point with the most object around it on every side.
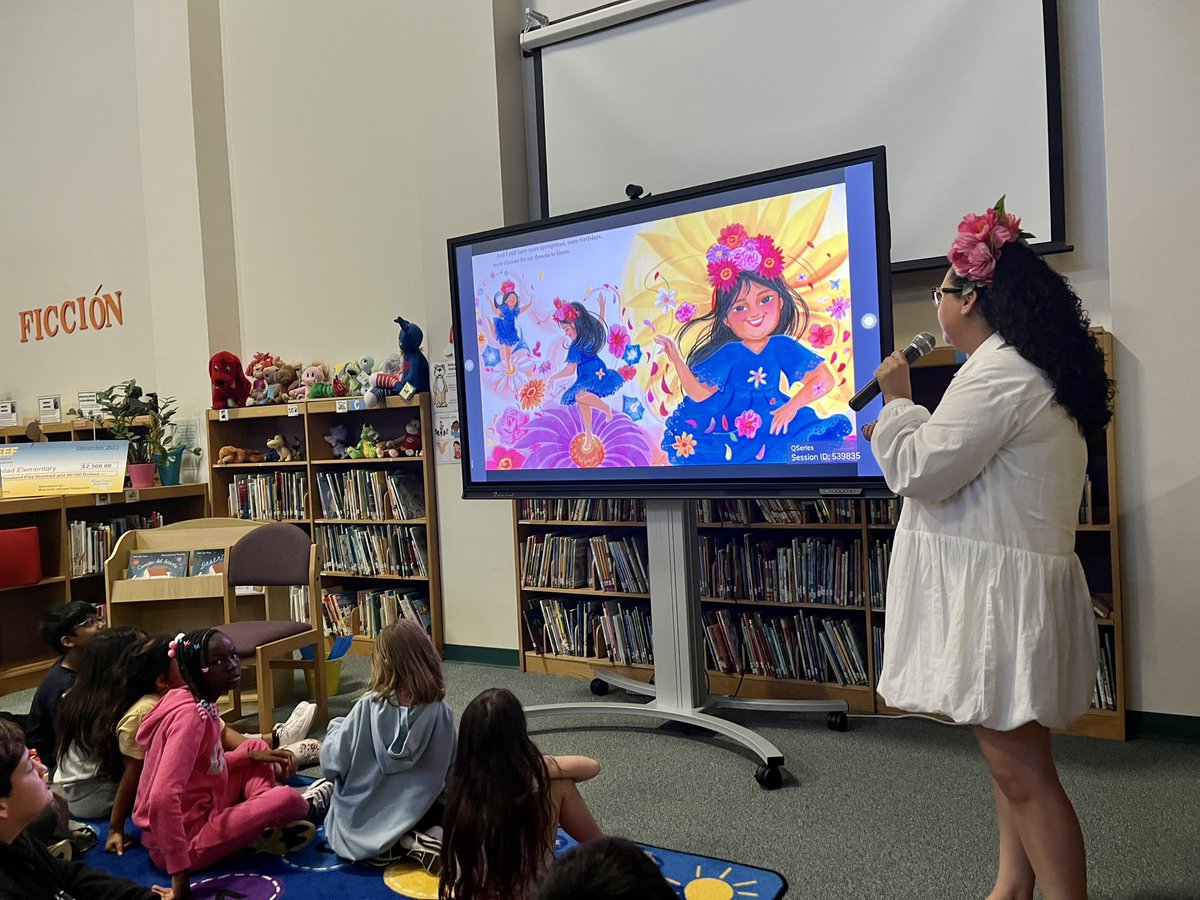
(276, 556)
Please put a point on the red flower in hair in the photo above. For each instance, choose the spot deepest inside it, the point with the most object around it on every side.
(507, 287)
(723, 275)
(733, 236)
(772, 258)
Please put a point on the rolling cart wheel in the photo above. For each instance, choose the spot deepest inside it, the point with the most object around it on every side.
(768, 777)
(838, 721)
(599, 687)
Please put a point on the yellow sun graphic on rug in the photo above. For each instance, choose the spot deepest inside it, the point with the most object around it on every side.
(411, 880)
(704, 887)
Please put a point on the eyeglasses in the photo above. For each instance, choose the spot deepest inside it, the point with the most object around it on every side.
(938, 292)
(90, 621)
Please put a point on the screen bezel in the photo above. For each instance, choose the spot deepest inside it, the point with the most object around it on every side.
(704, 487)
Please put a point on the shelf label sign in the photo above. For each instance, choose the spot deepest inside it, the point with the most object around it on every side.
(223, 415)
(8, 413)
(50, 409)
(293, 409)
(341, 405)
(54, 468)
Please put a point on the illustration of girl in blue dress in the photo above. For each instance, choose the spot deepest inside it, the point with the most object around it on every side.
(593, 378)
(504, 324)
(748, 381)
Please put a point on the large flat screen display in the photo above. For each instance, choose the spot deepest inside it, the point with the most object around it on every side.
(701, 343)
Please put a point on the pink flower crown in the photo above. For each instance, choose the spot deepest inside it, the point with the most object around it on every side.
(507, 288)
(976, 250)
(564, 312)
(736, 252)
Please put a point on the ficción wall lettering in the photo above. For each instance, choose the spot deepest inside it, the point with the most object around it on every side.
(80, 314)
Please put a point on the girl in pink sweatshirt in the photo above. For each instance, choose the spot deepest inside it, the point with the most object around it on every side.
(197, 803)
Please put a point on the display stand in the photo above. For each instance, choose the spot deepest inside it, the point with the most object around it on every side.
(678, 690)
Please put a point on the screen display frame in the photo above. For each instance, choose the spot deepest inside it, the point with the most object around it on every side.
(577, 482)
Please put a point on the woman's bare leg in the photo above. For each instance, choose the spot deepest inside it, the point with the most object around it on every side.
(1022, 767)
(1014, 880)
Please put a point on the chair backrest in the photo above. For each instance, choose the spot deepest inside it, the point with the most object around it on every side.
(278, 553)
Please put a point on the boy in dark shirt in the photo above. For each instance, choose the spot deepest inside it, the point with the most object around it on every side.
(67, 627)
(27, 870)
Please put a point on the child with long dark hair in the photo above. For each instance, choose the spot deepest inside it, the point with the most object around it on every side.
(199, 800)
(736, 407)
(989, 614)
(505, 804)
(593, 378)
(388, 758)
(89, 763)
(507, 305)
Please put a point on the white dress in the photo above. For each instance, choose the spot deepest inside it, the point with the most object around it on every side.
(988, 620)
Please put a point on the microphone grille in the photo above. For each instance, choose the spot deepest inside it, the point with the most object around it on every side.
(924, 342)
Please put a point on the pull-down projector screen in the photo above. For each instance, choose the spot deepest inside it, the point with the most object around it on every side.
(964, 94)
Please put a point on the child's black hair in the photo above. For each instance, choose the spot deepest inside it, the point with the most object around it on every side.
(610, 868)
(714, 330)
(191, 652)
(61, 620)
(589, 330)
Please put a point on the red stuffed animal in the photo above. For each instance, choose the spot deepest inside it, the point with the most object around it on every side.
(230, 387)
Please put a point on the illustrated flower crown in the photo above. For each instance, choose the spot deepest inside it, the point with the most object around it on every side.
(564, 312)
(507, 288)
(977, 248)
(736, 252)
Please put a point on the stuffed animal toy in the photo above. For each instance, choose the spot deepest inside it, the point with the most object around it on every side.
(230, 387)
(410, 444)
(337, 438)
(287, 378)
(311, 374)
(366, 367)
(365, 448)
(393, 364)
(279, 446)
(414, 370)
(388, 449)
(229, 455)
(256, 371)
(320, 390)
(347, 377)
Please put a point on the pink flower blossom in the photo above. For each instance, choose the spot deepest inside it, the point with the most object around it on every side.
(510, 424)
(685, 313)
(839, 307)
(971, 256)
(627, 372)
(505, 458)
(748, 423)
(820, 336)
(618, 340)
(733, 235)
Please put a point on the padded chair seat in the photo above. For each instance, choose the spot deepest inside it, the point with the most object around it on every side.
(249, 636)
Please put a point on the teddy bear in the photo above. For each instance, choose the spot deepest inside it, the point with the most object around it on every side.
(414, 372)
(286, 379)
(230, 387)
(337, 438)
(389, 449)
(279, 446)
(229, 455)
(410, 444)
(257, 371)
(310, 375)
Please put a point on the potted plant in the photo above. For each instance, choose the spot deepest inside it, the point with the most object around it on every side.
(165, 448)
(123, 413)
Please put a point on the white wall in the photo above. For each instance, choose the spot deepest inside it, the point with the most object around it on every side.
(1150, 72)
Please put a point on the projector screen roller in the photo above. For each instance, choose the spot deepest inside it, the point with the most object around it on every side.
(701, 343)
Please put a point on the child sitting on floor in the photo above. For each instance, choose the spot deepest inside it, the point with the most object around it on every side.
(27, 870)
(149, 672)
(196, 803)
(89, 764)
(505, 804)
(389, 757)
(67, 627)
(610, 868)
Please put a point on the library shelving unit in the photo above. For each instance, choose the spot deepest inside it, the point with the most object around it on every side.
(840, 547)
(69, 572)
(374, 519)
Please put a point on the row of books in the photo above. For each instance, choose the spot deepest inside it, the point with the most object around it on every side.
(577, 510)
(806, 570)
(92, 542)
(1105, 694)
(175, 563)
(877, 638)
(879, 557)
(374, 549)
(375, 609)
(793, 646)
(1087, 512)
(885, 511)
(269, 495)
(598, 562)
(778, 512)
(618, 631)
(370, 494)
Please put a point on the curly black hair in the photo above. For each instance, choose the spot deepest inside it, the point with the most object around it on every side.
(1034, 309)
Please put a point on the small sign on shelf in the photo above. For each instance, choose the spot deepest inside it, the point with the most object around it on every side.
(50, 409)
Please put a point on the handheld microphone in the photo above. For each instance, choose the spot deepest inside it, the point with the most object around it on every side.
(918, 347)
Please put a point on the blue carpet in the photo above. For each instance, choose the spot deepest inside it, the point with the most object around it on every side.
(317, 874)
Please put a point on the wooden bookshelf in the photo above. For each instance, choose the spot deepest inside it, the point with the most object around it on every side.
(1097, 545)
(306, 424)
(23, 656)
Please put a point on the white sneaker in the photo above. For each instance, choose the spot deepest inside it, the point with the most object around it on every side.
(307, 752)
(297, 726)
(319, 794)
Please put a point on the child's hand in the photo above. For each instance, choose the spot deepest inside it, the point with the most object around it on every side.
(165, 893)
(280, 759)
(669, 347)
(285, 771)
(780, 417)
(117, 843)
